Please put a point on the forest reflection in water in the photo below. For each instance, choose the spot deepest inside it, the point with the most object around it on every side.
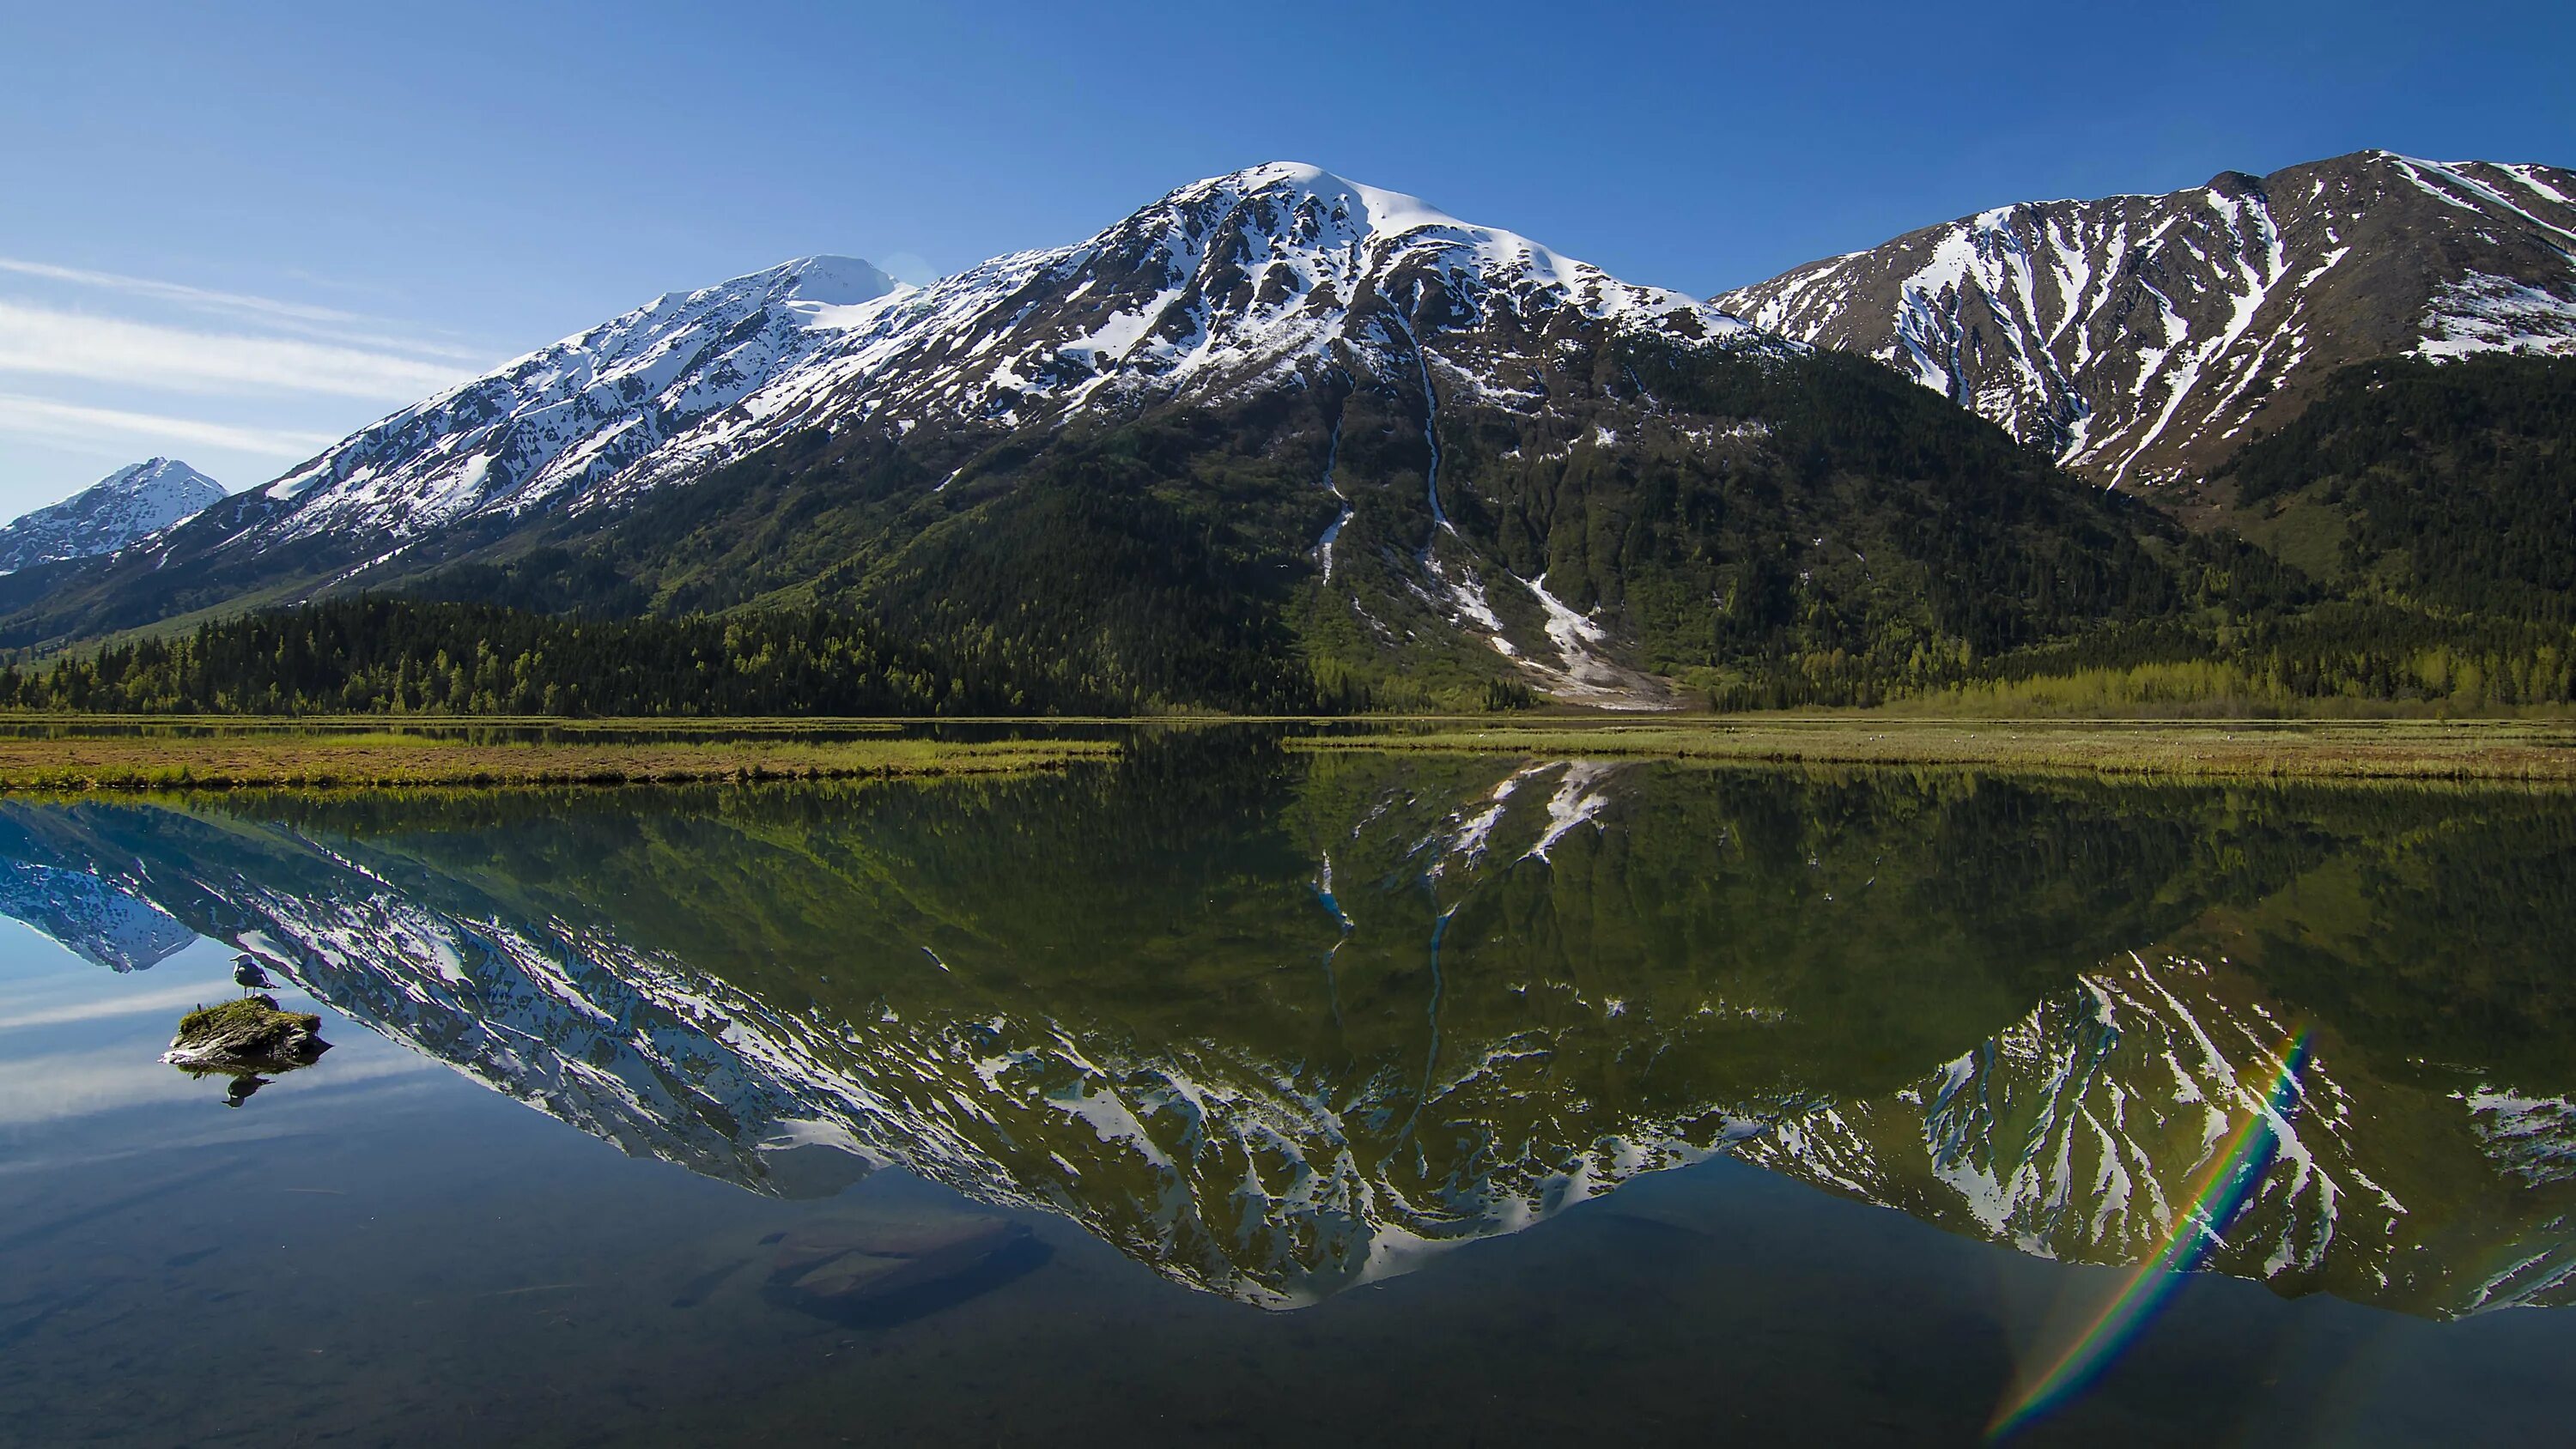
(1277, 1026)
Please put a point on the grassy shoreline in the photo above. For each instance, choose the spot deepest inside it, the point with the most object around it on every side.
(321, 761)
(71, 754)
(2490, 750)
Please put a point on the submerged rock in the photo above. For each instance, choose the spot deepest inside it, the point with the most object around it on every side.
(844, 1263)
(247, 1035)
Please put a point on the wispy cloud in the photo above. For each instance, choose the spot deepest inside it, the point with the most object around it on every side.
(179, 292)
(54, 421)
(44, 342)
(66, 1085)
(331, 322)
(180, 997)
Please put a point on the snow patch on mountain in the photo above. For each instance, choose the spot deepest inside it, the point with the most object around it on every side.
(2534, 1138)
(2480, 313)
(1584, 672)
(2142, 338)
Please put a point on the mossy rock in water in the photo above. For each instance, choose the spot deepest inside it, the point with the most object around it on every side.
(249, 1032)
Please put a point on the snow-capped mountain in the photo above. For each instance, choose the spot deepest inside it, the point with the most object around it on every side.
(130, 503)
(1342, 443)
(1343, 339)
(1279, 274)
(2143, 338)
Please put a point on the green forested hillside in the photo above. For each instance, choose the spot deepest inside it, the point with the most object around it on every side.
(1778, 530)
(2448, 485)
(1856, 542)
(2430, 509)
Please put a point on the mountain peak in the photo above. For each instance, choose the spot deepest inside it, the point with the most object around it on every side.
(130, 503)
(158, 469)
(835, 280)
(1375, 212)
(1394, 211)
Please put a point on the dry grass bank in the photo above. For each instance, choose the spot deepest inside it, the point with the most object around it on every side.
(2502, 750)
(308, 760)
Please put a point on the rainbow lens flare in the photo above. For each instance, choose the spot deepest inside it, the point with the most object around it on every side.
(2222, 1192)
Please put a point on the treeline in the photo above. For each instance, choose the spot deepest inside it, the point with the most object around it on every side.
(2219, 590)
(2338, 653)
(2335, 654)
(398, 656)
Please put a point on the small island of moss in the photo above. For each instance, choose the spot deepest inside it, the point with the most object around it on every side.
(247, 1034)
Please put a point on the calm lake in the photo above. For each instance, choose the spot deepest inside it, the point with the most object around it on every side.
(1233, 1094)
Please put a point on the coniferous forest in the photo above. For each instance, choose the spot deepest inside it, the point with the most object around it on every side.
(410, 656)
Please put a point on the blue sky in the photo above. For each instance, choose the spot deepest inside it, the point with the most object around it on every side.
(231, 233)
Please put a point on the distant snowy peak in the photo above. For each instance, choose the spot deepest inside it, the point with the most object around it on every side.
(2141, 336)
(1282, 274)
(134, 501)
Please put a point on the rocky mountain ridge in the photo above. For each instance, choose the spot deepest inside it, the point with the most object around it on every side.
(1281, 279)
(1280, 274)
(2142, 339)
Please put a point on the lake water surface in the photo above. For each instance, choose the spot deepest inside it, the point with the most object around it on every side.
(1230, 1094)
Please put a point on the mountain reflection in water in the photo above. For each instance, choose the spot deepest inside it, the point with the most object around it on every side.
(1279, 1025)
